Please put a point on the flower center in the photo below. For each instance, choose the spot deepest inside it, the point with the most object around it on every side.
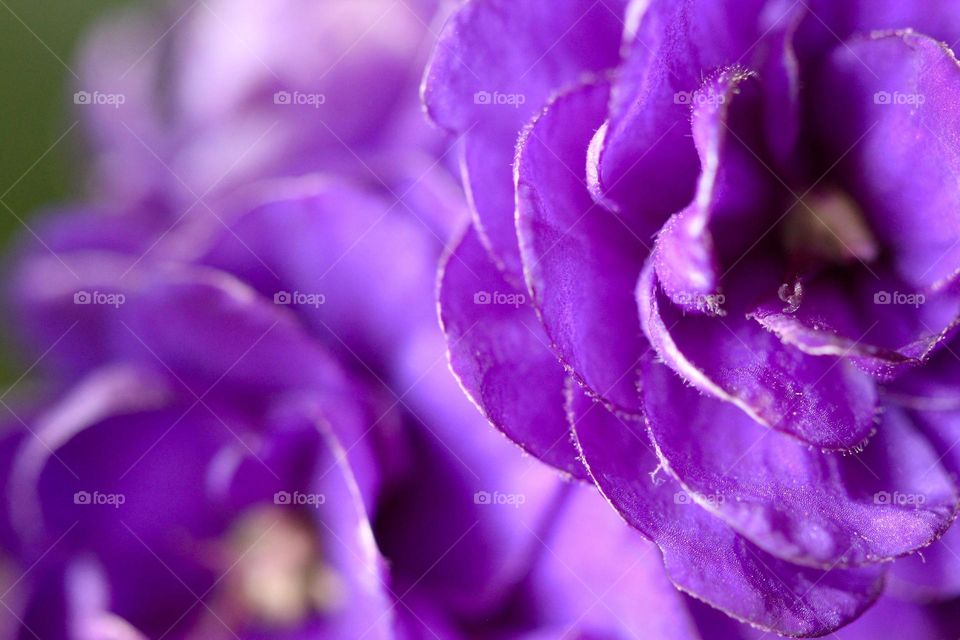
(278, 577)
(828, 227)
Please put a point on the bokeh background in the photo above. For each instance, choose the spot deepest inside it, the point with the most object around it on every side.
(38, 41)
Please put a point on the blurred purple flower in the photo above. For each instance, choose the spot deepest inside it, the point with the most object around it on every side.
(231, 92)
(245, 427)
(735, 225)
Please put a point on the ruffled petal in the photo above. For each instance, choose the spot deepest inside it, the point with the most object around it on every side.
(868, 317)
(673, 47)
(822, 510)
(218, 334)
(499, 353)
(893, 118)
(730, 198)
(933, 388)
(218, 99)
(780, 74)
(496, 63)
(883, 621)
(702, 555)
(580, 262)
(825, 402)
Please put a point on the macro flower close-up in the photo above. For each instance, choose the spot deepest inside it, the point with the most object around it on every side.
(481, 319)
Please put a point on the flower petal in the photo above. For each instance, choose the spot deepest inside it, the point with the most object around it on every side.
(882, 620)
(731, 191)
(892, 118)
(110, 392)
(361, 281)
(496, 63)
(825, 402)
(869, 317)
(932, 388)
(674, 45)
(816, 509)
(222, 334)
(350, 549)
(128, 129)
(933, 574)
(499, 353)
(702, 555)
(581, 263)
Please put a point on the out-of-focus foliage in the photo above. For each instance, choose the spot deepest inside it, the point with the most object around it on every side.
(37, 44)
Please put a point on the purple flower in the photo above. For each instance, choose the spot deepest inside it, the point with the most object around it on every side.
(721, 283)
(235, 91)
(193, 482)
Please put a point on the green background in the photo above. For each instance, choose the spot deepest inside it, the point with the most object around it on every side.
(36, 108)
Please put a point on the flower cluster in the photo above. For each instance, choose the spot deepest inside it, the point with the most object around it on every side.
(702, 265)
(738, 227)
